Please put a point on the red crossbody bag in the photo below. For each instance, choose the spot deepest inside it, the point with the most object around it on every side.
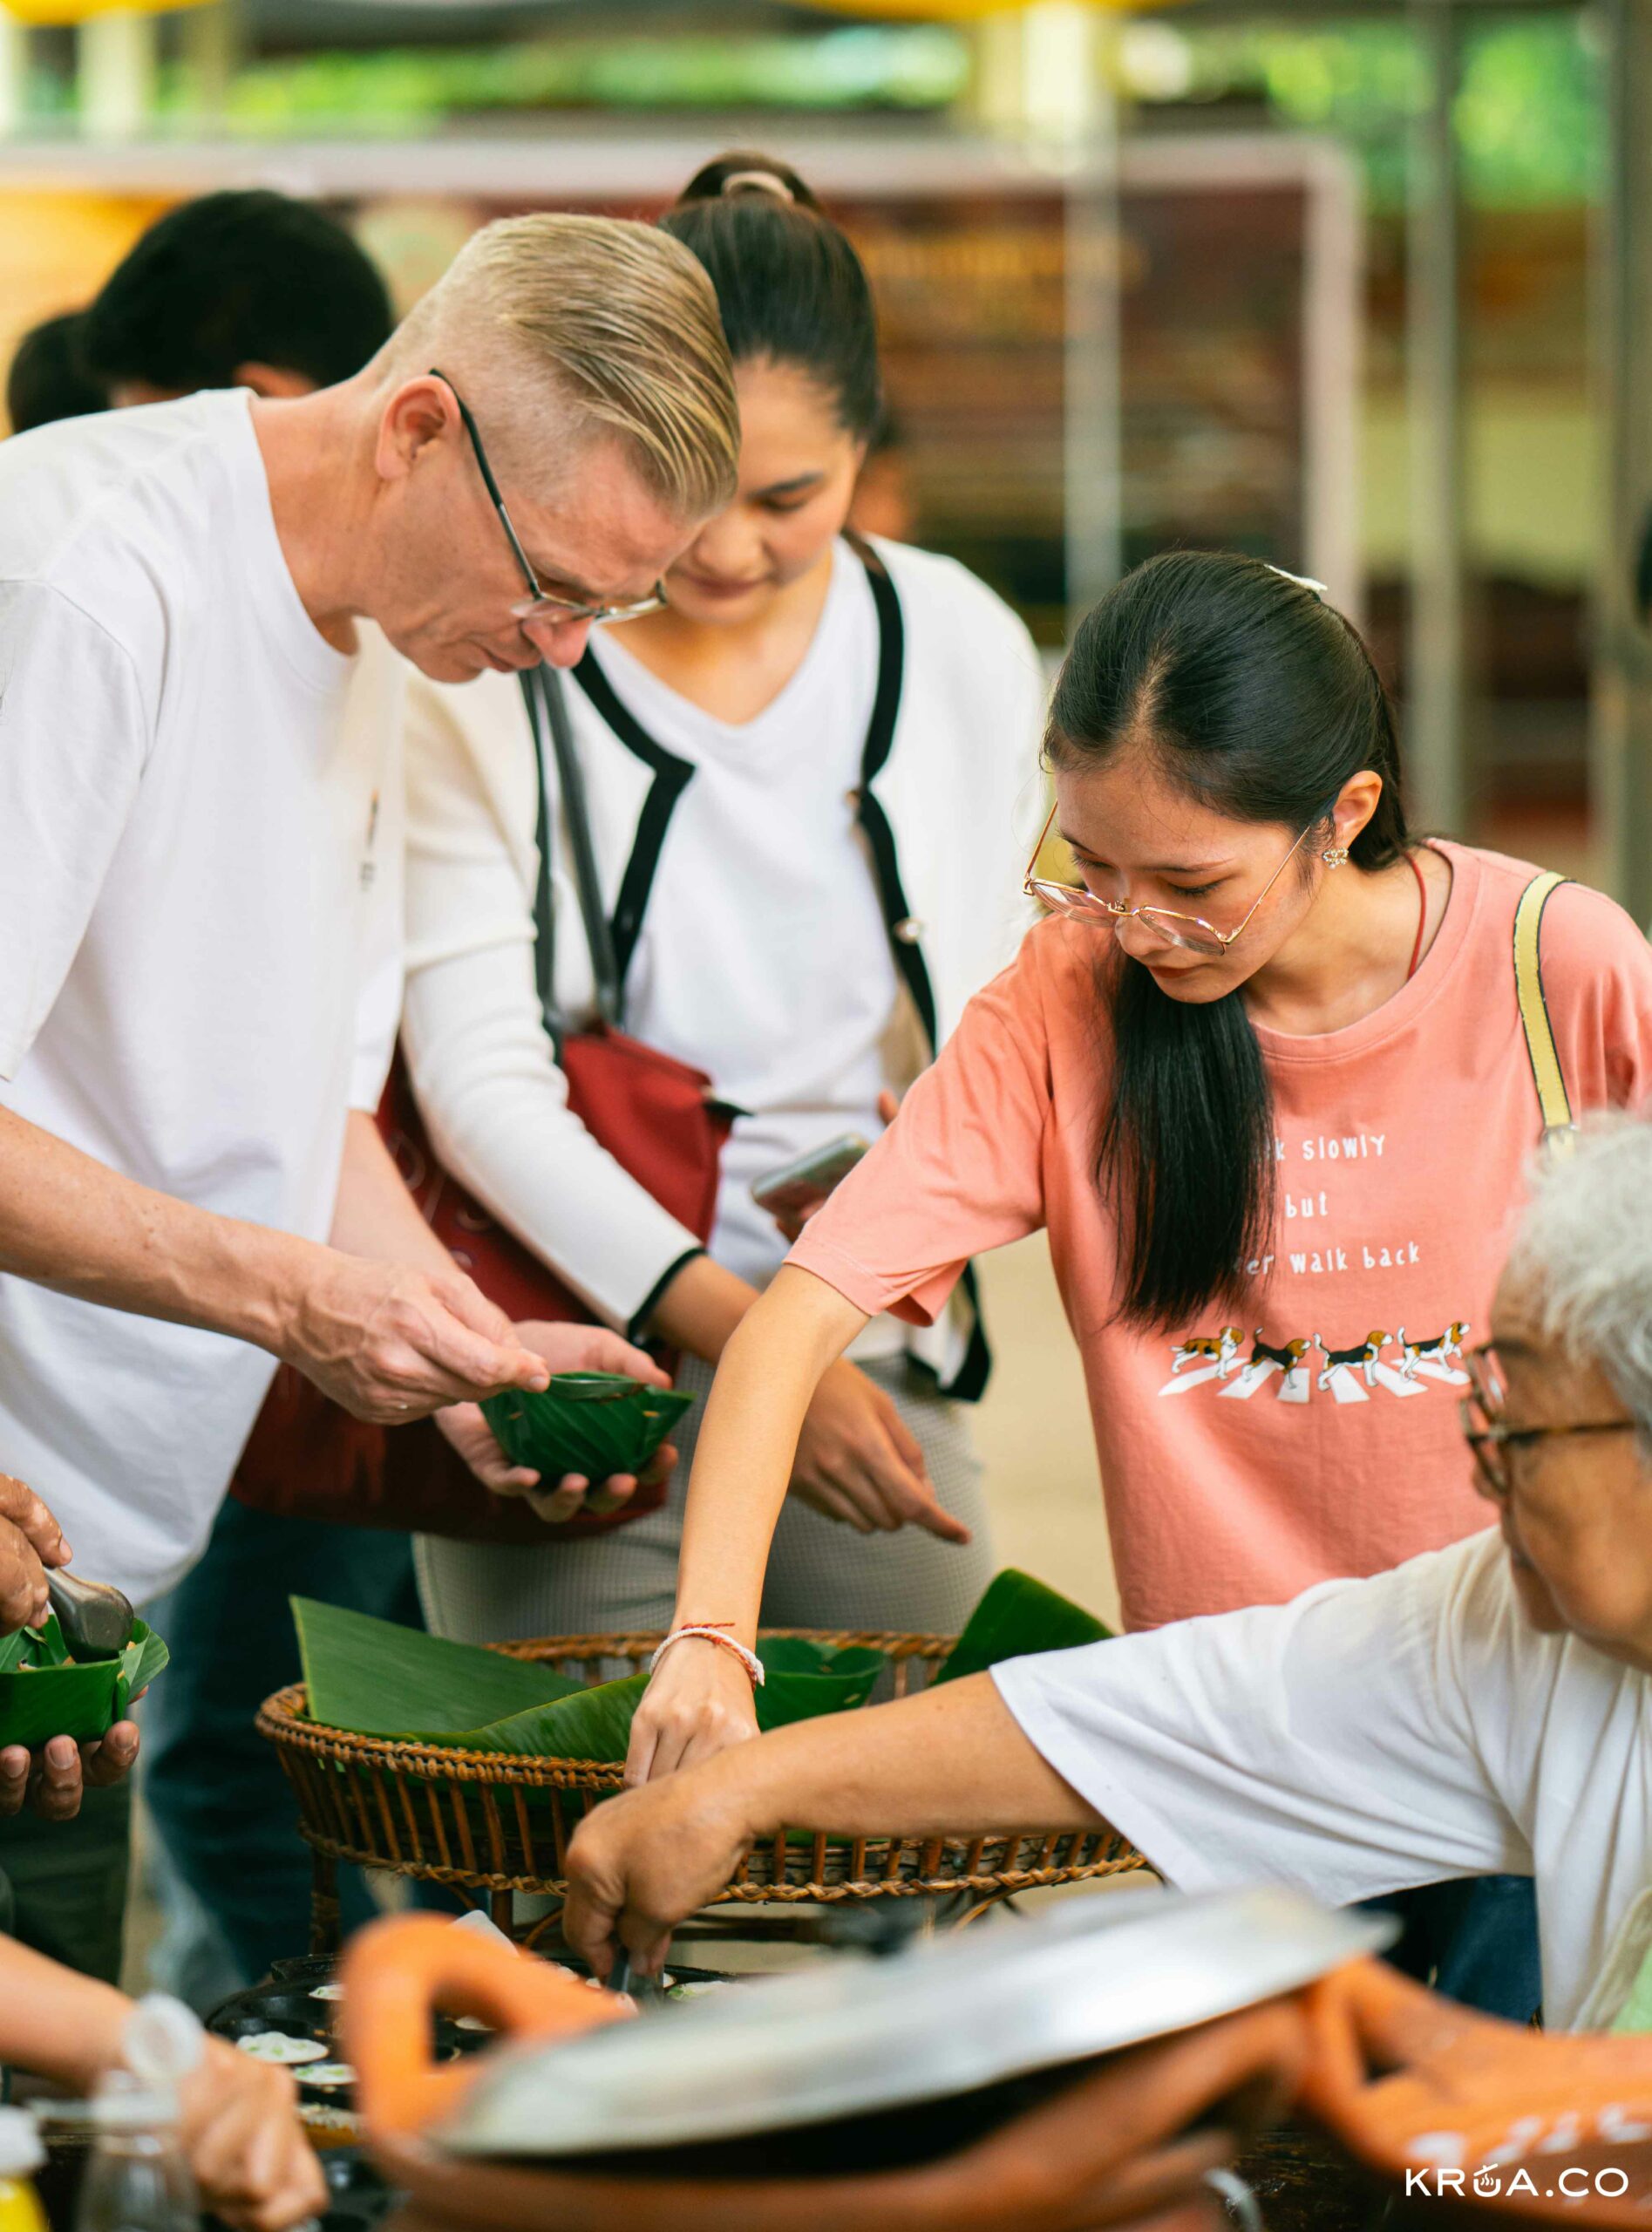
(659, 1118)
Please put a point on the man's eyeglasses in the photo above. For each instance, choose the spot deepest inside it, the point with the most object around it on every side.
(1192, 932)
(1493, 1439)
(539, 604)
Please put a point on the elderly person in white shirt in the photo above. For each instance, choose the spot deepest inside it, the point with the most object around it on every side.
(1482, 1709)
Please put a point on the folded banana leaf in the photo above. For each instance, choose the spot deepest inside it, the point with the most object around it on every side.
(378, 1680)
(593, 1423)
(1017, 1617)
(43, 1693)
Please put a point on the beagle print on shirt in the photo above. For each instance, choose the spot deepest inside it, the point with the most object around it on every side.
(1348, 1374)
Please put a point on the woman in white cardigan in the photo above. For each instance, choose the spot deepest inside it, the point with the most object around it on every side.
(805, 779)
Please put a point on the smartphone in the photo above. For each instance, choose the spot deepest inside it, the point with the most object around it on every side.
(798, 1187)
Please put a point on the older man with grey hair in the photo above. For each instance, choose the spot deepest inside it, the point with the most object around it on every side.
(198, 983)
(1484, 1709)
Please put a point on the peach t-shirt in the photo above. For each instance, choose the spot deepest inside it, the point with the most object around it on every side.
(1312, 1430)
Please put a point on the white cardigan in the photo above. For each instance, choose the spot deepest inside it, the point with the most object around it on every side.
(960, 791)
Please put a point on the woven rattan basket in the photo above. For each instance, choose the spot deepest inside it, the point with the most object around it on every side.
(492, 1826)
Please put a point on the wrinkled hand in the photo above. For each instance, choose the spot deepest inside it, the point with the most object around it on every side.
(564, 1348)
(30, 1542)
(858, 1461)
(51, 1781)
(391, 1345)
(254, 2166)
(645, 1860)
(699, 1703)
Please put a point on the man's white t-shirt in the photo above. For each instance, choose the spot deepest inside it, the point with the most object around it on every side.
(189, 835)
(1368, 1736)
(787, 991)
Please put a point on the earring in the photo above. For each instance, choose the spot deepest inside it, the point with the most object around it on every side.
(1335, 857)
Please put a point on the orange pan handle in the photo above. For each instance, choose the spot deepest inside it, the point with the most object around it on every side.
(401, 1971)
(1392, 2063)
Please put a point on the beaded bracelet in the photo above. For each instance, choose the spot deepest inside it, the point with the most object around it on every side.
(749, 1659)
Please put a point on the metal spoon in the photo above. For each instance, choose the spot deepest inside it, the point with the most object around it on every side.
(646, 1991)
(96, 1620)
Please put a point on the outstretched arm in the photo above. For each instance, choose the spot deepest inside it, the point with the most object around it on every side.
(239, 2122)
(955, 1756)
(388, 1340)
(701, 1699)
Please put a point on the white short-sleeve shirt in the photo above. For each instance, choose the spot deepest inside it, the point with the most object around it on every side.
(1368, 1736)
(189, 880)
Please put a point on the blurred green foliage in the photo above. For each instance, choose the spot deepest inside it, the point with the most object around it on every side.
(410, 89)
(1528, 112)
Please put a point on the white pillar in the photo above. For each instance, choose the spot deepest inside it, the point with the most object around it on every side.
(1435, 683)
(116, 76)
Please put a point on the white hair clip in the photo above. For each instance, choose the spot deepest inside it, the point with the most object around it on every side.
(764, 182)
(1303, 581)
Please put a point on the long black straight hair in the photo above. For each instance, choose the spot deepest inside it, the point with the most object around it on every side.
(1254, 696)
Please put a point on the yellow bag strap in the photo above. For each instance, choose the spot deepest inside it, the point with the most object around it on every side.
(1559, 1129)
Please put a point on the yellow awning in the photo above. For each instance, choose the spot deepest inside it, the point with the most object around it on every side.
(77, 11)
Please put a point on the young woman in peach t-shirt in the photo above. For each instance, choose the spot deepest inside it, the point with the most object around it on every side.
(1275, 1157)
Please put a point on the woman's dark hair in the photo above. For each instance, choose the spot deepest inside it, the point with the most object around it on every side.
(789, 285)
(1250, 693)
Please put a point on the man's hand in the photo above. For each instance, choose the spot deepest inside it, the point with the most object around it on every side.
(50, 1782)
(647, 1860)
(564, 1348)
(254, 2166)
(30, 1542)
(858, 1461)
(392, 1343)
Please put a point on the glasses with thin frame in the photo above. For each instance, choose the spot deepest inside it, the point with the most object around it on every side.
(539, 604)
(1192, 932)
(1490, 1436)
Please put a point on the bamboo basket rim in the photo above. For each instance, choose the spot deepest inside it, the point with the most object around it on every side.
(284, 1716)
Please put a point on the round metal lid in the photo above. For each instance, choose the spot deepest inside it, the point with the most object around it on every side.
(947, 2016)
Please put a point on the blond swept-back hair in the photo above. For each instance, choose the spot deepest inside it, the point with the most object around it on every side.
(613, 322)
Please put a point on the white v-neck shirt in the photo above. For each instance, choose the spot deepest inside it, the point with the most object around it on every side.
(190, 871)
(765, 860)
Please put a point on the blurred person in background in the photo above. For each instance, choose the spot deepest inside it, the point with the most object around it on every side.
(804, 770)
(1261, 1076)
(191, 999)
(48, 378)
(243, 288)
(1486, 1706)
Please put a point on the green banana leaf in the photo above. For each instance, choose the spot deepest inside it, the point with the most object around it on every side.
(42, 1695)
(1017, 1617)
(591, 1422)
(379, 1679)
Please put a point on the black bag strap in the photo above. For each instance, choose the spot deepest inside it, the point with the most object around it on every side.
(548, 708)
(970, 1382)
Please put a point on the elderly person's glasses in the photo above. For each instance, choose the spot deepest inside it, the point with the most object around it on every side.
(1192, 932)
(539, 604)
(1488, 1433)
